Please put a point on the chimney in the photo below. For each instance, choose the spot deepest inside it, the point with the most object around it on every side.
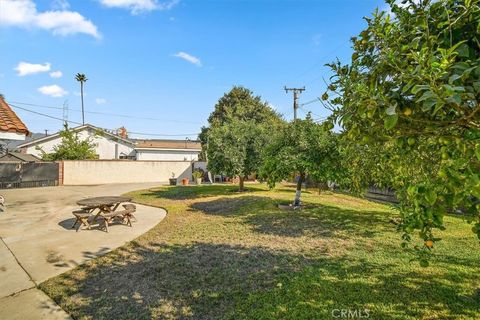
(122, 132)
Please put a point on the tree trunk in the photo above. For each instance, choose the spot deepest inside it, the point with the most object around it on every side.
(298, 192)
(81, 93)
(241, 181)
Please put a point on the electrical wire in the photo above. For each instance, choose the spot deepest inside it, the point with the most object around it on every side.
(309, 102)
(78, 123)
(321, 60)
(105, 113)
(42, 114)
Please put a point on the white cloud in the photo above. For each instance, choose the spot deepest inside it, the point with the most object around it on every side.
(56, 74)
(53, 91)
(26, 68)
(60, 5)
(23, 13)
(100, 101)
(187, 57)
(139, 6)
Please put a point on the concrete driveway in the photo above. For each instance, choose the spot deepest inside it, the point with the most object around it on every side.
(37, 242)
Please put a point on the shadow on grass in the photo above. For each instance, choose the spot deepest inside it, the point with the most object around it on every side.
(218, 281)
(232, 206)
(317, 220)
(202, 191)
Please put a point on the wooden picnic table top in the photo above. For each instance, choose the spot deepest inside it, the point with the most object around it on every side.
(103, 201)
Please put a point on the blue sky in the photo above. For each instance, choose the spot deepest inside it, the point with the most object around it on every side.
(168, 60)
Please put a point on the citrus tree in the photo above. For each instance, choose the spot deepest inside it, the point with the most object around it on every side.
(235, 149)
(409, 101)
(302, 147)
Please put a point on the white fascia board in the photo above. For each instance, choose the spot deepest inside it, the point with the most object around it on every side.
(12, 136)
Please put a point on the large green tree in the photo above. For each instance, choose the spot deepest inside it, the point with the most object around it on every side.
(237, 133)
(305, 148)
(240, 104)
(408, 104)
(72, 147)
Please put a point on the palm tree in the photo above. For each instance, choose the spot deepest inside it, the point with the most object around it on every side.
(80, 77)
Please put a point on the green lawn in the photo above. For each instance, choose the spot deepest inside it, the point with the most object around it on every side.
(220, 254)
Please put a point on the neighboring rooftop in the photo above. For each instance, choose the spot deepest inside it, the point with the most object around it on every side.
(17, 156)
(33, 136)
(9, 121)
(167, 144)
(76, 129)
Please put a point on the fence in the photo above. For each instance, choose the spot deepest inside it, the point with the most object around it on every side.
(381, 194)
(124, 171)
(28, 174)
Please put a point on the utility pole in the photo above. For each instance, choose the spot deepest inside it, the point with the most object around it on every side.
(296, 92)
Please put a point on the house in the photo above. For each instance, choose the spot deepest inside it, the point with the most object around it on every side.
(108, 145)
(11, 127)
(111, 145)
(18, 157)
(173, 150)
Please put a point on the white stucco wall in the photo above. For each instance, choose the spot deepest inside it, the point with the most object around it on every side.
(123, 171)
(105, 145)
(167, 155)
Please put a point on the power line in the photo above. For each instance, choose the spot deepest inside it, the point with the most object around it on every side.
(104, 113)
(320, 62)
(42, 114)
(78, 123)
(309, 102)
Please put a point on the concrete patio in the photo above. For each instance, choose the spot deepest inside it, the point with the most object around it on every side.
(37, 242)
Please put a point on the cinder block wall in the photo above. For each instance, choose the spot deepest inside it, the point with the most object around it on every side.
(122, 171)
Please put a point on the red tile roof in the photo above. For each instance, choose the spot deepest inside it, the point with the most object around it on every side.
(9, 121)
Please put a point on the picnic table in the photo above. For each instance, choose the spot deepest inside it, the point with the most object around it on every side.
(106, 205)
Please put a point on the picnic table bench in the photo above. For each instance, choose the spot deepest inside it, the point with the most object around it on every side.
(106, 206)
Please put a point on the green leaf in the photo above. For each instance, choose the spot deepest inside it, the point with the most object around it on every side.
(463, 50)
(461, 66)
(391, 110)
(419, 87)
(476, 86)
(454, 77)
(456, 99)
(426, 95)
(431, 197)
(428, 104)
(477, 151)
(438, 106)
(390, 121)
